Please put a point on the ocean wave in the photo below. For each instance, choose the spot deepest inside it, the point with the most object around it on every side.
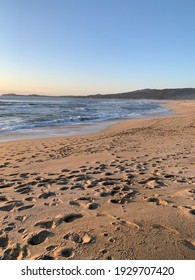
(27, 113)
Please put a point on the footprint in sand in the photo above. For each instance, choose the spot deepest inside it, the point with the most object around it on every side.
(64, 253)
(4, 240)
(63, 188)
(25, 207)
(69, 218)
(30, 198)
(51, 248)
(86, 202)
(157, 201)
(77, 186)
(76, 238)
(74, 203)
(192, 191)
(24, 175)
(44, 257)
(23, 189)
(191, 194)
(10, 227)
(20, 218)
(38, 238)
(153, 184)
(154, 200)
(92, 206)
(8, 206)
(102, 252)
(44, 224)
(82, 238)
(123, 197)
(8, 185)
(192, 211)
(45, 195)
(118, 200)
(21, 230)
(15, 252)
(65, 170)
(72, 217)
(169, 176)
(3, 198)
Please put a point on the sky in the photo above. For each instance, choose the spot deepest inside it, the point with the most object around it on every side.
(80, 47)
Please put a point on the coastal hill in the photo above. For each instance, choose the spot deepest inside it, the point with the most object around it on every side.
(155, 94)
(15, 94)
(159, 94)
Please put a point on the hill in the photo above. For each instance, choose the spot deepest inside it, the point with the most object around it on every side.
(159, 94)
(155, 94)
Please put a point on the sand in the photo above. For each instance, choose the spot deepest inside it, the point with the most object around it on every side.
(126, 192)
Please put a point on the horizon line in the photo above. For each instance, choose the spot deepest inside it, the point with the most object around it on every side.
(92, 94)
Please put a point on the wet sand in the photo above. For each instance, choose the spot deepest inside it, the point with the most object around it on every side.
(126, 192)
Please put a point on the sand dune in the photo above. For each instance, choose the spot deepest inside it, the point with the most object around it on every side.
(127, 192)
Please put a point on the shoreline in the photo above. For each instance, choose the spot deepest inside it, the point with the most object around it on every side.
(125, 192)
(74, 129)
(85, 129)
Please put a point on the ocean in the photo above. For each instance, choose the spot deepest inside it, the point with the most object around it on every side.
(27, 114)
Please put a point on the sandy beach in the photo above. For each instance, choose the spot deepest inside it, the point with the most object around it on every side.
(126, 192)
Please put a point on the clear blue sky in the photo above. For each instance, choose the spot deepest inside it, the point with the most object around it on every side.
(64, 47)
